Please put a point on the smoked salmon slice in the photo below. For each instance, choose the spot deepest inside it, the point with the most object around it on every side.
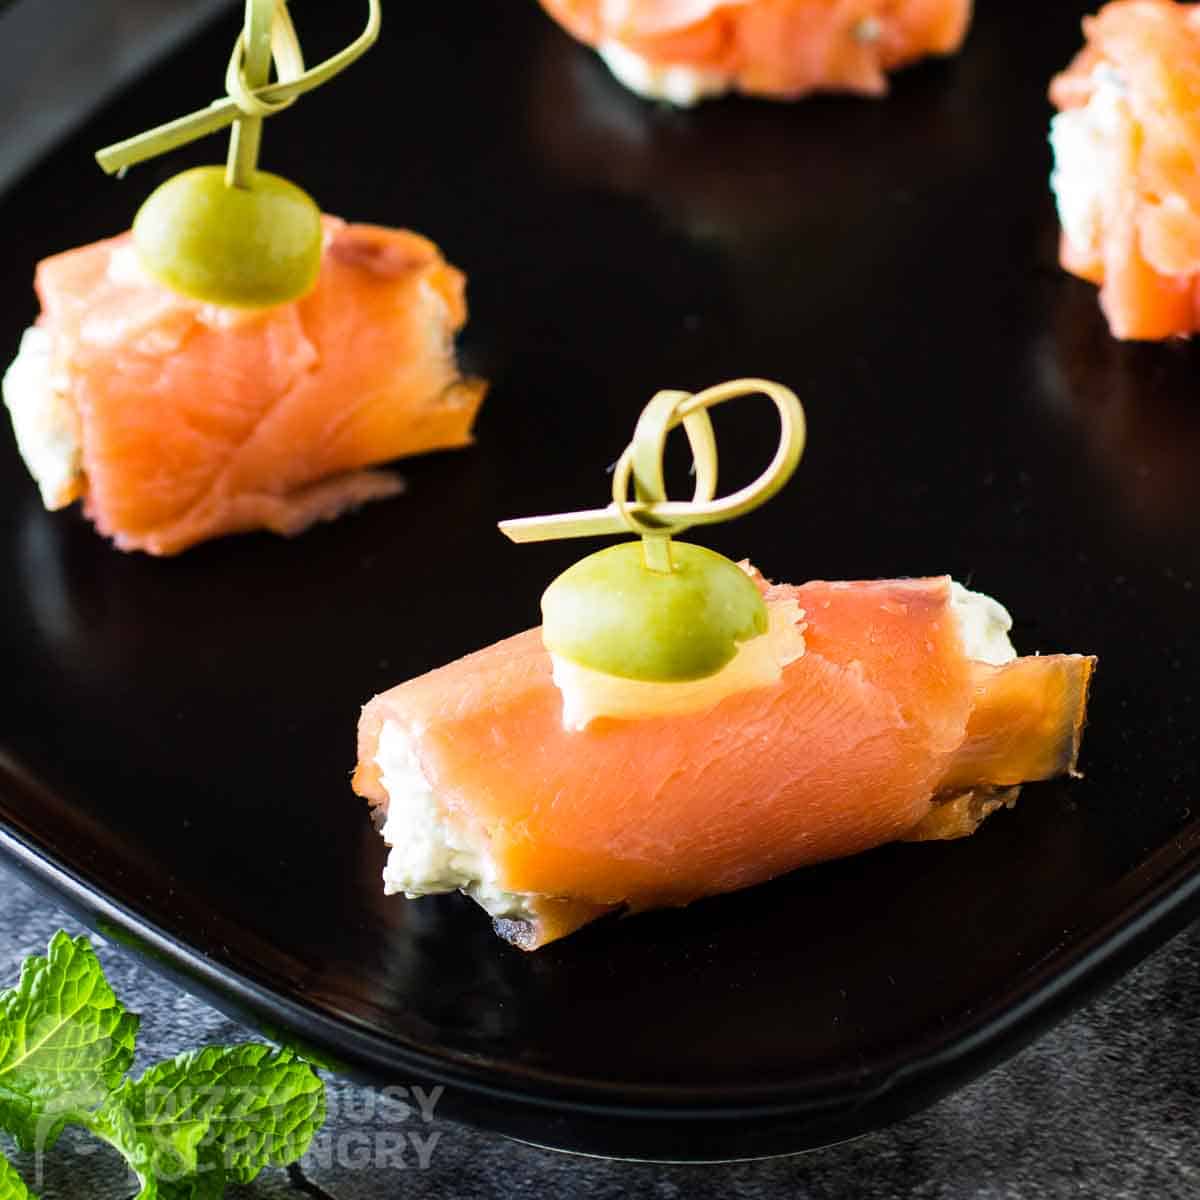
(175, 421)
(684, 50)
(884, 728)
(1127, 165)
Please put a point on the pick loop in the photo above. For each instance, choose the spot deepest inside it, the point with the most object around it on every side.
(268, 34)
(650, 514)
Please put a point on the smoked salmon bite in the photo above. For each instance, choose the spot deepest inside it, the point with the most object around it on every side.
(175, 420)
(1126, 178)
(679, 727)
(683, 51)
(238, 361)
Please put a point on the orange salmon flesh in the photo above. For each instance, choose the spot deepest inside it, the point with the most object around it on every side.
(882, 730)
(197, 421)
(1141, 243)
(778, 48)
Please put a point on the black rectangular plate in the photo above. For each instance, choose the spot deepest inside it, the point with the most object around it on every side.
(176, 735)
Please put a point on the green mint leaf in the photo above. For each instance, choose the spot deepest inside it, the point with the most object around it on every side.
(65, 1042)
(171, 1151)
(114, 1123)
(217, 1114)
(11, 1185)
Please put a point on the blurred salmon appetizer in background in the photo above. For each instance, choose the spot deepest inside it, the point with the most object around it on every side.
(175, 420)
(683, 51)
(1127, 165)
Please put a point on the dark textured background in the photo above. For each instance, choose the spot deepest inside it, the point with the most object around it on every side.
(1104, 1105)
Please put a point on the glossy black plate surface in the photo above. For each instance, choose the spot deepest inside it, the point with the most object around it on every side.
(177, 735)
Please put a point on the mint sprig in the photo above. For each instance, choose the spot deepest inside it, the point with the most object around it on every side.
(186, 1127)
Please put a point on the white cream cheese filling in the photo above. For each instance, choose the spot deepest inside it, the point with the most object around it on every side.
(430, 853)
(983, 625)
(588, 694)
(1086, 164)
(678, 85)
(44, 420)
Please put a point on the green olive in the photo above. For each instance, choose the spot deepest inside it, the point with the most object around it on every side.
(611, 613)
(244, 247)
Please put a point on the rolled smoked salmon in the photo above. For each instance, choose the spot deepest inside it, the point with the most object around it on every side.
(884, 728)
(684, 50)
(175, 421)
(1127, 173)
